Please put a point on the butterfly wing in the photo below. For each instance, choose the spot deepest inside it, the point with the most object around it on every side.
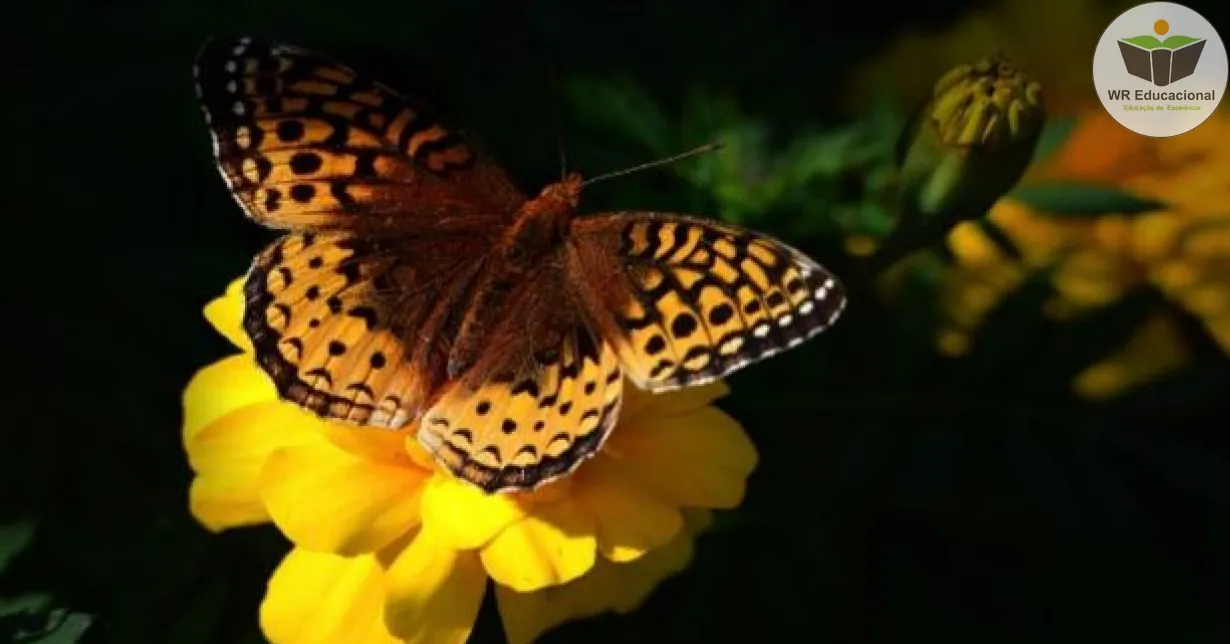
(306, 143)
(685, 301)
(351, 328)
(541, 400)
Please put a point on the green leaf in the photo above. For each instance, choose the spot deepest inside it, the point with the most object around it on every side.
(63, 628)
(1083, 200)
(706, 113)
(27, 603)
(14, 538)
(203, 614)
(1054, 134)
(32, 619)
(825, 155)
(622, 107)
(884, 115)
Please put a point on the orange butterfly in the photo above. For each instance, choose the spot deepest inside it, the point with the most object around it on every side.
(417, 283)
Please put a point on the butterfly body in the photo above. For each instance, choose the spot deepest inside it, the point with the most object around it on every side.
(416, 284)
(534, 239)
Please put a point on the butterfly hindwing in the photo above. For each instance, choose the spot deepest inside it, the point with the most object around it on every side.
(539, 402)
(304, 142)
(685, 301)
(349, 327)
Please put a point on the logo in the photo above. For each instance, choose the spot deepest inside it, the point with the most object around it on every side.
(1160, 69)
(1161, 62)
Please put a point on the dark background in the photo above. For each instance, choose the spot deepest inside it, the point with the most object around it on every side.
(900, 496)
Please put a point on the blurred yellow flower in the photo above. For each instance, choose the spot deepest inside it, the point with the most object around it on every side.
(390, 549)
(1188, 172)
(1052, 39)
(1183, 250)
(1157, 348)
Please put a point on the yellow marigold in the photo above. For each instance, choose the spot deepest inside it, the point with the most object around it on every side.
(390, 549)
(1183, 250)
(1187, 172)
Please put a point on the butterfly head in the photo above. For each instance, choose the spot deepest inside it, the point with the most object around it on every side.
(565, 195)
(540, 225)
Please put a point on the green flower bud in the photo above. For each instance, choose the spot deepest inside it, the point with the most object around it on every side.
(963, 150)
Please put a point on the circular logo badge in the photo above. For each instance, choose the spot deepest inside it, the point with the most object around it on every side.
(1160, 69)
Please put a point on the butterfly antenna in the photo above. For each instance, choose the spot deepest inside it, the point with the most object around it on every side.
(713, 146)
(557, 123)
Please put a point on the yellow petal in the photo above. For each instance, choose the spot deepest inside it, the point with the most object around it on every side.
(637, 401)
(221, 388)
(383, 445)
(221, 502)
(972, 247)
(953, 343)
(700, 458)
(318, 598)
(226, 315)
(631, 520)
(636, 580)
(1154, 235)
(328, 500)
(527, 616)
(1091, 278)
(463, 516)
(609, 586)
(228, 453)
(860, 245)
(1157, 348)
(553, 545)
(432, 591)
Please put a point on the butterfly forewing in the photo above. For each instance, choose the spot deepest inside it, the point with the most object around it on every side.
(305, 142)
(685, 301)
(350, 328)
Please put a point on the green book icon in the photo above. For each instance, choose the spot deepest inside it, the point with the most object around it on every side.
(1161, 62)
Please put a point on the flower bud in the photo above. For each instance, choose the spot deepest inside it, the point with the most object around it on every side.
(963, 150)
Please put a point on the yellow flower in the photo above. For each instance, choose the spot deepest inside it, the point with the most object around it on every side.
(390, 549)
(1187, 172)
(1183, 250)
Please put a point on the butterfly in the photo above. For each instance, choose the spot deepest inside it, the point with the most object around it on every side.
(416, 283)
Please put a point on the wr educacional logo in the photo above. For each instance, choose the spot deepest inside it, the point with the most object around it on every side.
(1168, 80)
(1161, 62)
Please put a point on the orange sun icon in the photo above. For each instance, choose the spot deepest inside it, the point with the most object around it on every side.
(1161, 27)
